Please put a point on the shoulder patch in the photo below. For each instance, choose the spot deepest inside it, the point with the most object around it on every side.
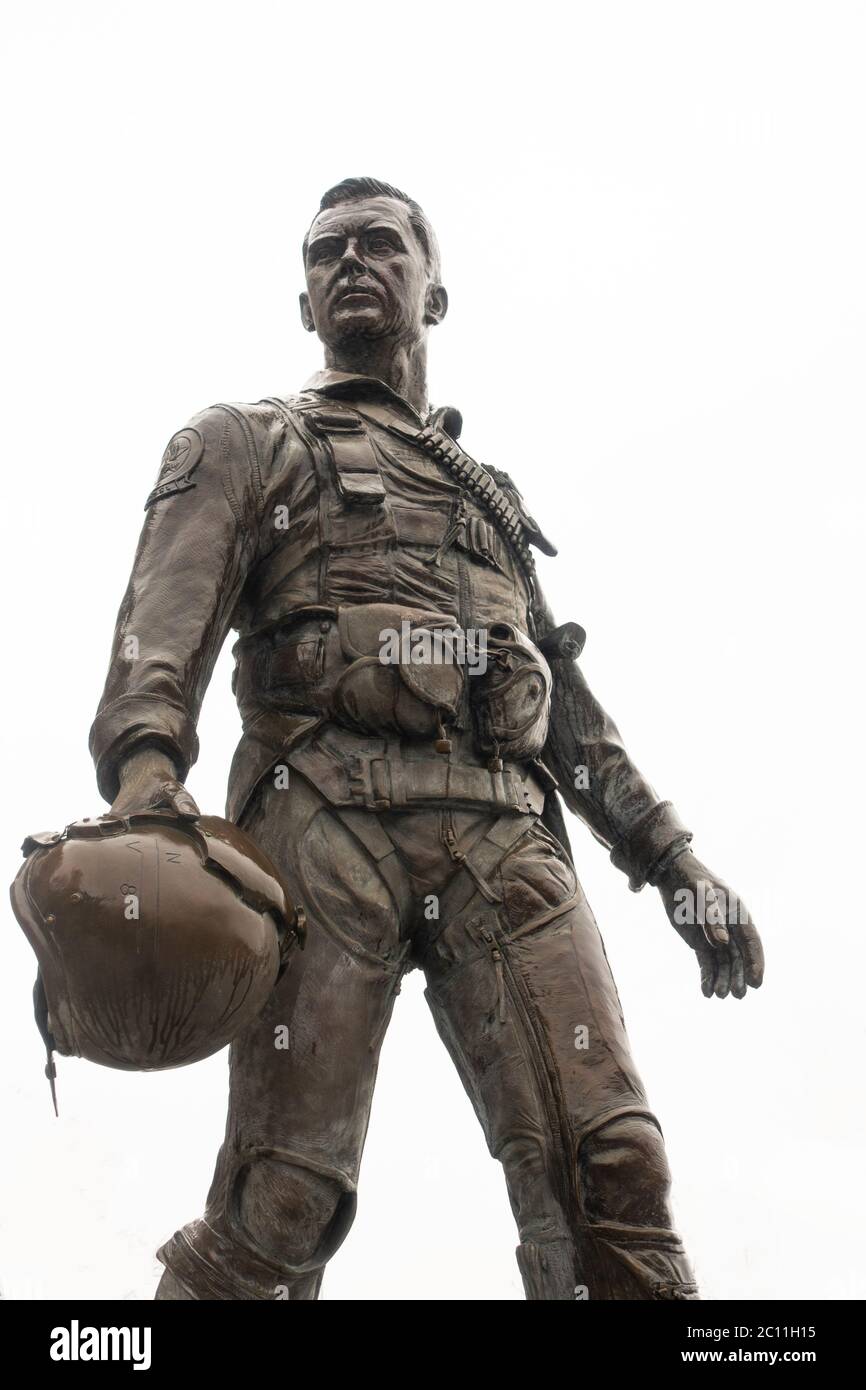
(181, 458)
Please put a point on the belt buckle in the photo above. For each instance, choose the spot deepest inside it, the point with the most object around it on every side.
(370, 783)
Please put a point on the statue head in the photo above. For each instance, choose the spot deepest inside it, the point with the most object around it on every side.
(372, 267)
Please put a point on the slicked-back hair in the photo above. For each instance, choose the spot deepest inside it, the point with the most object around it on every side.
(354, 190)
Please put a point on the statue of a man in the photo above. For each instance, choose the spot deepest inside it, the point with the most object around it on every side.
(409, 707)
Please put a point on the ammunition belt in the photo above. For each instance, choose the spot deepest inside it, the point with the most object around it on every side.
(483, 487)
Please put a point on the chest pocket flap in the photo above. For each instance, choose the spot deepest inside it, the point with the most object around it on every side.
(356, 467)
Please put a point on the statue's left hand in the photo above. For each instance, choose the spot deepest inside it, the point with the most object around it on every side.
(715, 923)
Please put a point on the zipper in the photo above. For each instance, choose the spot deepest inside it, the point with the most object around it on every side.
(510, 983)
(493, 947)
(449, 840)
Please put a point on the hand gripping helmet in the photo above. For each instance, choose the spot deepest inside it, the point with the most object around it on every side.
(158, 938)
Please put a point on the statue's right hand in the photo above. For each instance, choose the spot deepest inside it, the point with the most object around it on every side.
(148, 781)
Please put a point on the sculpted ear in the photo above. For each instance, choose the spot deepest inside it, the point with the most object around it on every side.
(436, 304)
(306, 312)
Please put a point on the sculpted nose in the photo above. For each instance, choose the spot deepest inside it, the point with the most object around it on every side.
(351, 258)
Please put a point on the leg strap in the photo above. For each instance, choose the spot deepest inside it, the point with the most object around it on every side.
(480, 862)
(365, 827)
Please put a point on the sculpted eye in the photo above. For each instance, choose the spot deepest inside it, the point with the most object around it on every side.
(323, 251)
(382, 245)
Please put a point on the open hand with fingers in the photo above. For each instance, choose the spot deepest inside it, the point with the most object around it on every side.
(716, 924)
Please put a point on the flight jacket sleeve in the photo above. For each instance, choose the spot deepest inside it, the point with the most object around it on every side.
(195, 550)
(597, 779)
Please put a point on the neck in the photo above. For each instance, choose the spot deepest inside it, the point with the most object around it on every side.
(401, 365)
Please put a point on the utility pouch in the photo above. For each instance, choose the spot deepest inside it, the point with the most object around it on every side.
(401, 671)
(511, 700)
(479, 539)
(374, 668)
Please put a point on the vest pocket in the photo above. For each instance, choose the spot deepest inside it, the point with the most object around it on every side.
(300, 662)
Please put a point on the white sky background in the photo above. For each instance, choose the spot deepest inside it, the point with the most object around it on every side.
(653, 225)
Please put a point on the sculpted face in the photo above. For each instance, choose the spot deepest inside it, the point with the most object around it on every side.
(367, 275)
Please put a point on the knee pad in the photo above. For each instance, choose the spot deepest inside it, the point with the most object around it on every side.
(623, 1173)
(534, 1200)
(289, 1213)
(623, 1185)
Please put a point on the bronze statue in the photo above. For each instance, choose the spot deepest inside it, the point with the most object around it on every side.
(409, 708)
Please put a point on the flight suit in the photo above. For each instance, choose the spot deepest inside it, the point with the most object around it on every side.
(308, 524)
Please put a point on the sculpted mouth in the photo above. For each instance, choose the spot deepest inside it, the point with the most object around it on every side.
(358, 295)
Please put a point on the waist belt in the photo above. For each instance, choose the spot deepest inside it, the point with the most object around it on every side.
(383, 783)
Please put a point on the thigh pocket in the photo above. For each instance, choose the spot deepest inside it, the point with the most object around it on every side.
(536, 877)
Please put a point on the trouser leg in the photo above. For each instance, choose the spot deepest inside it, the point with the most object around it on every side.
(302, 1075)
(525, 1002)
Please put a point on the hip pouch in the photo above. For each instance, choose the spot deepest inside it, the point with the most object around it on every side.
(372, 668)
(511, 700)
